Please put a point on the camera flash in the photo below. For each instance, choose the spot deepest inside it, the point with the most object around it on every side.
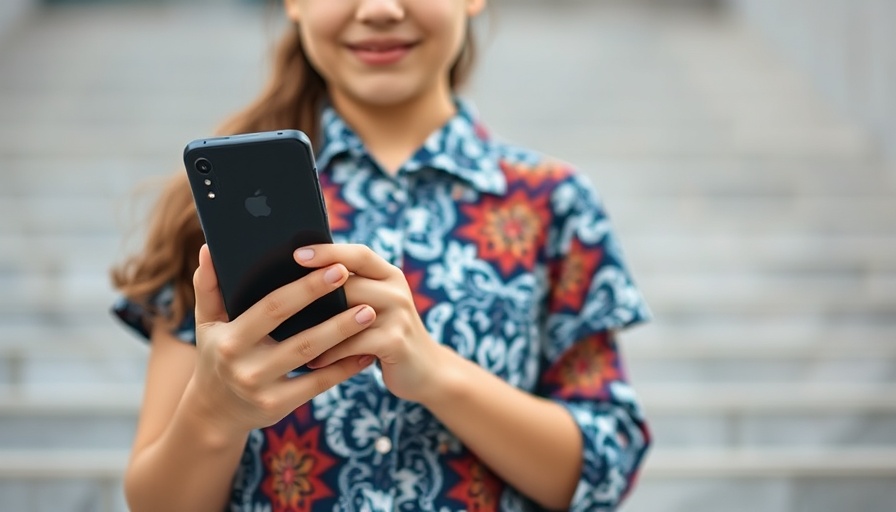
(211, 195)
(208, 182)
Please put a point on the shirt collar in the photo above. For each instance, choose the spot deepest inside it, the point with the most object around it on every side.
(461, 147)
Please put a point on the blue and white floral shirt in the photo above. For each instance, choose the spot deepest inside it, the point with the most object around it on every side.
(513, 264)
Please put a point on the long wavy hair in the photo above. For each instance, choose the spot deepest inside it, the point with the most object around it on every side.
(292, 99)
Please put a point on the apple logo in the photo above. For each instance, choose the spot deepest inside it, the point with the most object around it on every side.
(257, 205)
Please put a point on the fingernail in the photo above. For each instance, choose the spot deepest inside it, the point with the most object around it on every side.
(365, 361)
(304, 254)
(333, 275)
(365, 316)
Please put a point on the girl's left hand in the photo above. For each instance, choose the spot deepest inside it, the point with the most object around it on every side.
(409, 357)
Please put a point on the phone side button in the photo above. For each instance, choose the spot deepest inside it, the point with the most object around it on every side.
(323, 204)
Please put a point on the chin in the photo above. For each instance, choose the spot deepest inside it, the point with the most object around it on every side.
(385, 93)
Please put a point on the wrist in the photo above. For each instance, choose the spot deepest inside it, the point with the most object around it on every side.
(206, 423)
(450, 376)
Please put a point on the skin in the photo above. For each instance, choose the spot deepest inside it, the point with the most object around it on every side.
(201, 403)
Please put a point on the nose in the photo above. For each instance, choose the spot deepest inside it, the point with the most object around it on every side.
(380, 12)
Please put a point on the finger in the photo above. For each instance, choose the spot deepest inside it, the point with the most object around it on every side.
(272, 310)
(378, 294)
(209, 303)
(359, 259)
(297, 350)
(303, 388)
(357, 346)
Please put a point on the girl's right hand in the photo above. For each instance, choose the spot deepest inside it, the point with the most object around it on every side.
(240, 380)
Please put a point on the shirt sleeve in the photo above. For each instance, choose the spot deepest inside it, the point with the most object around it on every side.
(138, 317)
(592, 296)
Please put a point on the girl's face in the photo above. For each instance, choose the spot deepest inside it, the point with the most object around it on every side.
(383, 52)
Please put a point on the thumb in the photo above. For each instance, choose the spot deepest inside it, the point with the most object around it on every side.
(209, 304)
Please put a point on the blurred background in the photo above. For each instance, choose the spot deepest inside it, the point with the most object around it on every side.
(745, 149)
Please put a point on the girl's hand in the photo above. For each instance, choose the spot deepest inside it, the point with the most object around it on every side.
(409, 357)
(240, 379)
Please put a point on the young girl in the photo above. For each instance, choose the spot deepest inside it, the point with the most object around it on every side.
(484, 280)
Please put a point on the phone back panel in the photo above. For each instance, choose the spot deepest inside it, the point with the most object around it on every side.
(261, 202)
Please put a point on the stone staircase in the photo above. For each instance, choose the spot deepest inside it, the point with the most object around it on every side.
(760, 224)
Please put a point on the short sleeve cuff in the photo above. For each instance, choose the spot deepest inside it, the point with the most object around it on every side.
(615, 441)
(138, 317)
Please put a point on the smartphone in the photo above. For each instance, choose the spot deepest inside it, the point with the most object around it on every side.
(258, 200)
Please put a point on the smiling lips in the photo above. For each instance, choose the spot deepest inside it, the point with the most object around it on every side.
(383, 52)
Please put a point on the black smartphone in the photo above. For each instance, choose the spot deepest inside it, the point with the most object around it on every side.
(259, 199)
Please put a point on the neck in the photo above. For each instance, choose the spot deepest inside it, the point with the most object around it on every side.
(393, 133)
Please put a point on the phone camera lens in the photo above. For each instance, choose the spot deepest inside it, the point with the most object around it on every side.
(203, 166)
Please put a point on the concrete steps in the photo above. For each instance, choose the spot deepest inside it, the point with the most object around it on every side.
(670, 294)
(673, 364)
(726, 419)
(49, 214)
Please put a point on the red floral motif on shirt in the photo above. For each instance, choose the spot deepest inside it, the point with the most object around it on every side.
(337, 209)
(295, 465)
(545, 172)
(479, 489)
(585, 370)
(572, 276)
(510, 230)
(415, 282)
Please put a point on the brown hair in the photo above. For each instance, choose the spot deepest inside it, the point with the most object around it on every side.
(291, 100)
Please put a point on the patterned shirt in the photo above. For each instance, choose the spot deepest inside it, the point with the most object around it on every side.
(513, 263)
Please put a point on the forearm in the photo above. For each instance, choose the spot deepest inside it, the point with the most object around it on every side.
(530, 442)
(189, 468)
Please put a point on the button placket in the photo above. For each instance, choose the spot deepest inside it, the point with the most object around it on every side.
(395, 208)
(384, 452)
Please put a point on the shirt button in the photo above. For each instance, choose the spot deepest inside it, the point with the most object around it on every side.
(383, 445)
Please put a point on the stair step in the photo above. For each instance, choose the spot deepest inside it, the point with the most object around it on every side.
(576, 143)
(749, 493)
(58, 464)
(699, 253)
(705, 294)
(661, 463)
(736, 177)
(725, 293)
(878, 365)
(653, 344)
(774, 463)
(718, 371)
(115, 176)
(829, 214)
(769, 252)
(747, 349)
(781, 398)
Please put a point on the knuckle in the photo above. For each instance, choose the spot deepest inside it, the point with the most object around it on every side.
(266, 404)
(314, 285)
(396, 335)
(247, 379)
(323, 382)
(305, 346)
(227, 350)
(274, 307)
(395, 295)
(396, 273)
(368, 252)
